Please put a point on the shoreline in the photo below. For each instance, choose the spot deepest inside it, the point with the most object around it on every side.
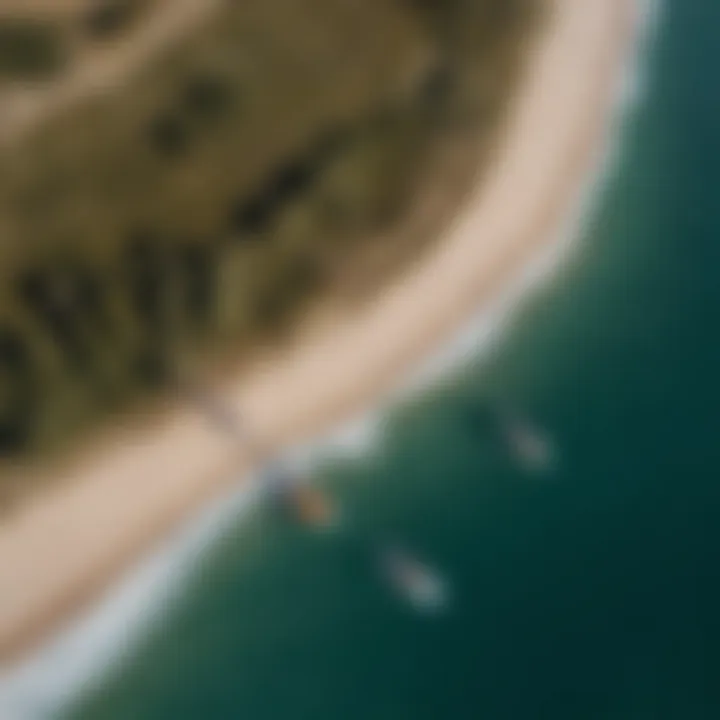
(117, 518)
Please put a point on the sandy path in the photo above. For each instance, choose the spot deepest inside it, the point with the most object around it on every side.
(102, 67)
(70, 540)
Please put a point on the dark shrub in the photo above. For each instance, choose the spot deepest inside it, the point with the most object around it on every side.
(291, 180)
(145, 272)
(251, 217)
(30, 49)
(329, 144)
(106, 18)
(17, 393)
(197, 265)
(152, 367)
(437, 87)
(58, 299)
(207, 96)
(168, 136)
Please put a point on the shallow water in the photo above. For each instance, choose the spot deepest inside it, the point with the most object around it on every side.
(591, 592)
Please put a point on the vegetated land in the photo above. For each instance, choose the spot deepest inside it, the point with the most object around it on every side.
(40, 38)
(30, 49)
(201, 205)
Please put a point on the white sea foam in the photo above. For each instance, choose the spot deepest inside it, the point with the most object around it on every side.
(86, 652)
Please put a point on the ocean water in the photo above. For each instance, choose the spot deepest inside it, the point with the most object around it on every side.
(589, 592)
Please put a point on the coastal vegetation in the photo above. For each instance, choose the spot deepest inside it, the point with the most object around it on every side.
(200, 207)
(107, 18)
(30, 49)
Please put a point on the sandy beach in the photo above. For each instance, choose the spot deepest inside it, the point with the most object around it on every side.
(60, 548)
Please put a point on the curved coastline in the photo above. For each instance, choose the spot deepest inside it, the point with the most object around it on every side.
(58, 552)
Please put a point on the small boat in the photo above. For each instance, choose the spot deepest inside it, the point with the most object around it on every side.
(310, 506)
(414, 581)
(298, 500)
(528, 444)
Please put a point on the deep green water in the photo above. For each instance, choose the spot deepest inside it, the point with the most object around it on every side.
(593, 593)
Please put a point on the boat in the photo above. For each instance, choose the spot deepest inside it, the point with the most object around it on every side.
(298, 500)
(310, 506)
(530, 447)
(418, 584)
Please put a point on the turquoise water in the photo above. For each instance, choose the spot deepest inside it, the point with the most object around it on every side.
(591, 593)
